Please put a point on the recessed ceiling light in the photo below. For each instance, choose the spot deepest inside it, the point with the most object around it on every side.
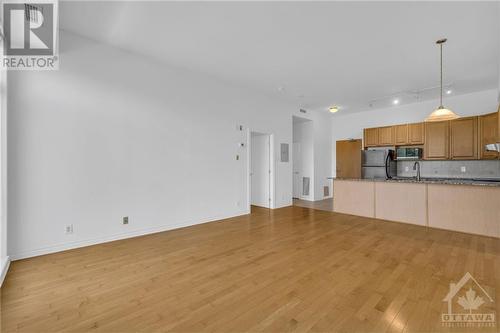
(395, 102)
(334, 109)
(448, 92)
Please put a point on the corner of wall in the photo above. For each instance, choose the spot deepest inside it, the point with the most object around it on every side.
(4, 267)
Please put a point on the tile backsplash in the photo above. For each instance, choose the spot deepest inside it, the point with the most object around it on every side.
(451, 169)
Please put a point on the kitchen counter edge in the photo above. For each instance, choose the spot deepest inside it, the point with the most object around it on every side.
(426, 181)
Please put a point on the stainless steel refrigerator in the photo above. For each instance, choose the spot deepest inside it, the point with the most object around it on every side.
(378, 163)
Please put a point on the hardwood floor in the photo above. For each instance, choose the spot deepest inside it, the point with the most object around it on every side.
(288, 270)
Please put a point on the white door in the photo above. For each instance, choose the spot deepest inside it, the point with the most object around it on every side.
(297, 184)
(260, 170)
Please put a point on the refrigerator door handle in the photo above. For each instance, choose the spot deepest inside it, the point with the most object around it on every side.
(387, 164)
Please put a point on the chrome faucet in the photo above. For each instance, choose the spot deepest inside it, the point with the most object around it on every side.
(416, 166)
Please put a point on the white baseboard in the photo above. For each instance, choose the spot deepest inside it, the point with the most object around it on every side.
(307, 199)
(4, 267)
(313, 200)
(136, 233)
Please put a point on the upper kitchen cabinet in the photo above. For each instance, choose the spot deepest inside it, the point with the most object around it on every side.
(370, 137)
(488, 133)
(386, 136)
(416, 134)
(436, 140)
(401, 134)
(463, 136)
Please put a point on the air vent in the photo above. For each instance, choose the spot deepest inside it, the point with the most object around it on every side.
(303, 111)
(305, 185)
(32, 13)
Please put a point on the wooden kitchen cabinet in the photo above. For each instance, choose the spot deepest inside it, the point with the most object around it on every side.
(488, 133)
(416, 134)
(386, 136)
(437, 140)
(459, 139)
(370, 137)
(463, 137)
(401, 134)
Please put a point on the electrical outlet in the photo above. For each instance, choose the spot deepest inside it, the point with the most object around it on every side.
(237, 157)
(69, 229)
(125, 220)
(407, 169)
(463, 169)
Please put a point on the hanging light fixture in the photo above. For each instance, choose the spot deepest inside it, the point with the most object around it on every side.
(441, 113)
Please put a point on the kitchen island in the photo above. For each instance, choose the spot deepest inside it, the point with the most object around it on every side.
(453, 204)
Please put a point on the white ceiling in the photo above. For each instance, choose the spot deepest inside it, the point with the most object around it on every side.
(314, 54)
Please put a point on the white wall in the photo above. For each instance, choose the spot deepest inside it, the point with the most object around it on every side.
(322, 155)
(112, 134)
(260, 170)
(303, 135)
(322, 147)
(350, 126)
(4, 259)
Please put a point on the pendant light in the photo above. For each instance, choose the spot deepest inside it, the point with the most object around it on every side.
(441, 113)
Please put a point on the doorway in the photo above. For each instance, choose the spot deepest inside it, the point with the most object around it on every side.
(260, 169)
(348, 158)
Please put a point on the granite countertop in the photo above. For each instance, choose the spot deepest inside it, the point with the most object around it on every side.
(445, 181)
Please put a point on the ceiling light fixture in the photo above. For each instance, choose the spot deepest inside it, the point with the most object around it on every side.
(395, 102)
(334, 109)
(441, 113)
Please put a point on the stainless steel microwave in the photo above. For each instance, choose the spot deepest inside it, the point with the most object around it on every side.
(409, 153)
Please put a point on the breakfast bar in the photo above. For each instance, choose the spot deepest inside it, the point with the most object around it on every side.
(451, 204)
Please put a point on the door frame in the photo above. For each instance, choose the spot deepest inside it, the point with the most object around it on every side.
(272, 167)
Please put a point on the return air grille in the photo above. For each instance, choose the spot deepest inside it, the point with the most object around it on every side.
(305, 185)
